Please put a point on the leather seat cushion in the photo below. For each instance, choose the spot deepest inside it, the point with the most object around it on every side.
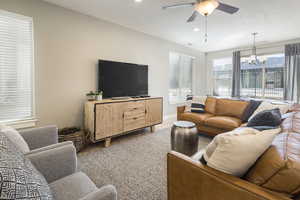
(278, 169)
(223, 122)
(211, 131)
(197, 118)
(231, 108)
(210, 105)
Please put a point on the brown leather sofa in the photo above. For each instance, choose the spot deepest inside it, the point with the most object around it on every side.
(221, 115)
(274, 176)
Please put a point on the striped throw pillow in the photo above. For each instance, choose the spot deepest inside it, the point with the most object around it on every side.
(195, 104)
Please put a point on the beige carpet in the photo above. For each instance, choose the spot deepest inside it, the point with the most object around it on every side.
(135, 164)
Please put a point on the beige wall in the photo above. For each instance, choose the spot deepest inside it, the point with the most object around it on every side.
(67, 48)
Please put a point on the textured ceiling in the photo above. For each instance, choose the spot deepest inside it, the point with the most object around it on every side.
(274, 20)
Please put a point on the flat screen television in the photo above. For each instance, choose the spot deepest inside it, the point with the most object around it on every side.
(118, 79)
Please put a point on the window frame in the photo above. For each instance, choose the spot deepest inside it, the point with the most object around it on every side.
(264, 71)
(31, 121)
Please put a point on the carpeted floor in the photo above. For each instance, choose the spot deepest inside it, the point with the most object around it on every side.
(135, 164)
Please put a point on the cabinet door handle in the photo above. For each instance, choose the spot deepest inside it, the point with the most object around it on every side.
(135, 118)
(145, 111)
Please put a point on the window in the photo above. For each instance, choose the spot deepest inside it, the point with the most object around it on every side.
(222, 74)
(180, 77)
(265, 80)
(16, 67)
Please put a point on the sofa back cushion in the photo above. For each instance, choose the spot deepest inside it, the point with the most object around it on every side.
(231, 108)
(19, 178)
(278, 169)
(210, 105)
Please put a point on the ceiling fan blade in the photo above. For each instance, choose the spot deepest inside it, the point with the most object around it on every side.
(227, 8)
(179, 5)
(193, 17)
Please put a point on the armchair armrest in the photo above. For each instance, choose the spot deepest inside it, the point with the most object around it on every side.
(189, 179)
(55, 163)
(180, 110)
(40, 137)
(108, 192)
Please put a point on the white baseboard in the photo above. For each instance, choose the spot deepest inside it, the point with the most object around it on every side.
(166, 117)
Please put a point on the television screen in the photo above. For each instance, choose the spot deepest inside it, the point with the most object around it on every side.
(122, 79)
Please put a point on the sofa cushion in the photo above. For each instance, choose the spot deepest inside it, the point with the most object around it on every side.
(231, 108)
(211, 147)
(15, 137)
(223, 122)
(193, 101)
(210, 105)
(252, 106)
(269, 106)
(75, 186)
(19, 179)
(235, 153)
(197, 118)
(197, 108)
(278, 169)
(266, 118)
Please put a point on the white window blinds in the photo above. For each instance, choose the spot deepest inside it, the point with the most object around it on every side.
(16, 67)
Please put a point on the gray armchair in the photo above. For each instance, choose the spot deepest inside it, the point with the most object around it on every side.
(57, 162)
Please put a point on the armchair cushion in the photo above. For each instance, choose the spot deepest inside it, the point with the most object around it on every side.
(55, 163)
(14, 136)
(74, 186)
(108, 192)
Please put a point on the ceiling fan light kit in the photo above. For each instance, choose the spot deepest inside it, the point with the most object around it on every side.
(207, 7)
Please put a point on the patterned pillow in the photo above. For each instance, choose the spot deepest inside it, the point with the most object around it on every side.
(195, 104)
(18, 177)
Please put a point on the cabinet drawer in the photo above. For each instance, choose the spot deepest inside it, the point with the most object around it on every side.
(134, 123)
(134, 114)
(138, 105)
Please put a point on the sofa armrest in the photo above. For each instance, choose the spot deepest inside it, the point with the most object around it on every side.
(180, 110)
(40, 137)
(108, 192)
(189, 179)
(55, 163)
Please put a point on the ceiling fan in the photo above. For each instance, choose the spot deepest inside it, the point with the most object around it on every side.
(205, 8)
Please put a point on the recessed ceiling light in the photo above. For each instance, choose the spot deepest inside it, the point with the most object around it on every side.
(138, 1)
(196, 29)
(190, 44)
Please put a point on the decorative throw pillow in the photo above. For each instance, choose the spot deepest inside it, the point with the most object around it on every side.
(235, 152)
(19, 178)
(15, 137)
(266, 118)
(252, 106)
(269, 106)
(195, 104)
(211, 147)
